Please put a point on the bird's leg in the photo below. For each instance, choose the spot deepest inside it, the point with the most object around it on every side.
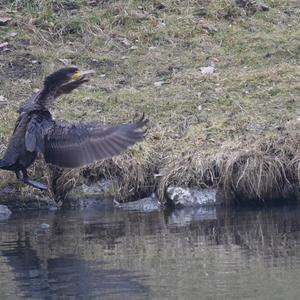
(19, 176)
(31, 182)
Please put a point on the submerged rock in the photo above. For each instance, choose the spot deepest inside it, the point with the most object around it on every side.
(181, 197)
(5, 212)
(144, 205)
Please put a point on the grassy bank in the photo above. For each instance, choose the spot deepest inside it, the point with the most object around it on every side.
(220, 85)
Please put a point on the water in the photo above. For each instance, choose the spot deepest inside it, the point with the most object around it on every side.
(105, 253)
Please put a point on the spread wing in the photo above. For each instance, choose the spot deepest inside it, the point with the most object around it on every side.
(77, 145)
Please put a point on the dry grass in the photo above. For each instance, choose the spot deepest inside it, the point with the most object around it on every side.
(261, 170)
(132, 173)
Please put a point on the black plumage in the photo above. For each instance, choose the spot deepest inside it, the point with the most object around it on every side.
(62, 144)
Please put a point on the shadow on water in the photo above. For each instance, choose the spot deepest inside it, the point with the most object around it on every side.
(105, 253)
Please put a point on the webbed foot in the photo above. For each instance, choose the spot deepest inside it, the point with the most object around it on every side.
(35, 184)
(25, 179)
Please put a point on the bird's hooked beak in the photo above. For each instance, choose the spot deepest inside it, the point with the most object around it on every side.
(78, 74)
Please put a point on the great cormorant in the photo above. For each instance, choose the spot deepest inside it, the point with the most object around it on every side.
(62, 144)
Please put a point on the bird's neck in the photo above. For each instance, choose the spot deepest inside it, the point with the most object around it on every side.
(47, 95)
(49, 89)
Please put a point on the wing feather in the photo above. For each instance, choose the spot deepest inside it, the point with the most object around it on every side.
(77, 145)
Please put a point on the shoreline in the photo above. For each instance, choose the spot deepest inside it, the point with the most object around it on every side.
(266, 172)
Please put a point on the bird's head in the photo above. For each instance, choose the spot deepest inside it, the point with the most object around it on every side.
(62, 76)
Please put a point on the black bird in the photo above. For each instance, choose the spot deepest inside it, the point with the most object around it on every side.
(62, 144)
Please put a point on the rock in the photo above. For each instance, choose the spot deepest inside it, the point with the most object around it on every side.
(98, 187)
(3, 45)
(207, 70)
(4, 20)
(181, 197)
(148, 204)
(95, 190)
(5, 212)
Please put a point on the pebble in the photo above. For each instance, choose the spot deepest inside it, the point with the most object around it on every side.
(5, 212)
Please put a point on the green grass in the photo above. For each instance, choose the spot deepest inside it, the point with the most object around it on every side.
(148, 58)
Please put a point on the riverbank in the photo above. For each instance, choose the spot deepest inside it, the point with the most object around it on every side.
(219, 83)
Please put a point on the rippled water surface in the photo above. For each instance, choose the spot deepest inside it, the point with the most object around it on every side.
(105, 253)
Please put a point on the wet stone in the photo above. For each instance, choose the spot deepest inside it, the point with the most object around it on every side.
(5, 212)
(147, 204)
(185, 197)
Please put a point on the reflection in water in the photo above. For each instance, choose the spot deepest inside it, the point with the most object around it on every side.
(65, 276)
(106, 253)
(183, 217)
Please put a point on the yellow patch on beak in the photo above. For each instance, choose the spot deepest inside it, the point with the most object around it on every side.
(76, 75)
